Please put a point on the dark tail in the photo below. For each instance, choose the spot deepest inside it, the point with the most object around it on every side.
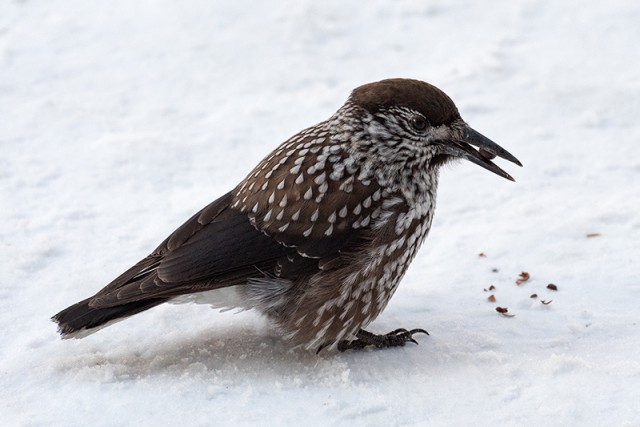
(82, 319)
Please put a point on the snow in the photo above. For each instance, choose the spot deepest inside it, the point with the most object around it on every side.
(121, 119)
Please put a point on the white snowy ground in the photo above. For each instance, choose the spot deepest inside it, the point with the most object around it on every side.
(120, 119)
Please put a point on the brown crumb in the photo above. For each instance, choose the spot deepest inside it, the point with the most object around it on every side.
(524, 276)
(589, 235)
(545, 302)
(486, 154)
(504, 311)
(482, 255)
(492, 298)
(492, 288)
(534, 296)
(552, 287)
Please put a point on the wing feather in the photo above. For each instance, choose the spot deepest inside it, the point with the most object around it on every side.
(216, 247)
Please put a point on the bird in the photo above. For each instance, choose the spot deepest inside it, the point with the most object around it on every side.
(319, 234)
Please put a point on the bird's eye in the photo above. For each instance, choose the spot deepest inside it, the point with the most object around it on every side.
(418, 123)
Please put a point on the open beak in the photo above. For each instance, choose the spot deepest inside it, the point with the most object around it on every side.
(487, 150)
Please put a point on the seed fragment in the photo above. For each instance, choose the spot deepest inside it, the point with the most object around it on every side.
(524, 276)
(504, 311)
(486, 154)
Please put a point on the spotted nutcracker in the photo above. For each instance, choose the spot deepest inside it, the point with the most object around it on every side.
(319, 234)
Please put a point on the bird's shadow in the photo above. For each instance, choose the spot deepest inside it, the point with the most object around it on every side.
(235, 350)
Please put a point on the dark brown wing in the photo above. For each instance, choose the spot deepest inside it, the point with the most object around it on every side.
(216, 247)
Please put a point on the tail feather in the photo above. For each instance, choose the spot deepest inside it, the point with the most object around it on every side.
(82, 319)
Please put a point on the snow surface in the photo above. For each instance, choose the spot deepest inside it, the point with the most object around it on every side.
(120, 119)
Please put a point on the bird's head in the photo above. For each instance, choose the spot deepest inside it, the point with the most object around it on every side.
(416, 125)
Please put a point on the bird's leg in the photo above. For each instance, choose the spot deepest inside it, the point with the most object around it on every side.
(393, 339)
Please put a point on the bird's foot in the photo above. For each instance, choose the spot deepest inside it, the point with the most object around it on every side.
(396, 338)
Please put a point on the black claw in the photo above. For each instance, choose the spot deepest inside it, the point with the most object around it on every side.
(396, 338)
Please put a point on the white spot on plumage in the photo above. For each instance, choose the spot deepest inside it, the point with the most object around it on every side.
(314, 215)
(351, 166)
(299, 321)
(347, 185)
(280, 215)
(332, 217)
(343, 212)
(366, 298)
(346, 309)
(357, 209)
(308, 194)
(280, 185)
(299, 179)
(283, 228)
(337, 173)
(320, 179)
(272, 197)
(294, 170)
(296, 215)
(267, 217)
(283, 202)
(329, 231)
(307, 232)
